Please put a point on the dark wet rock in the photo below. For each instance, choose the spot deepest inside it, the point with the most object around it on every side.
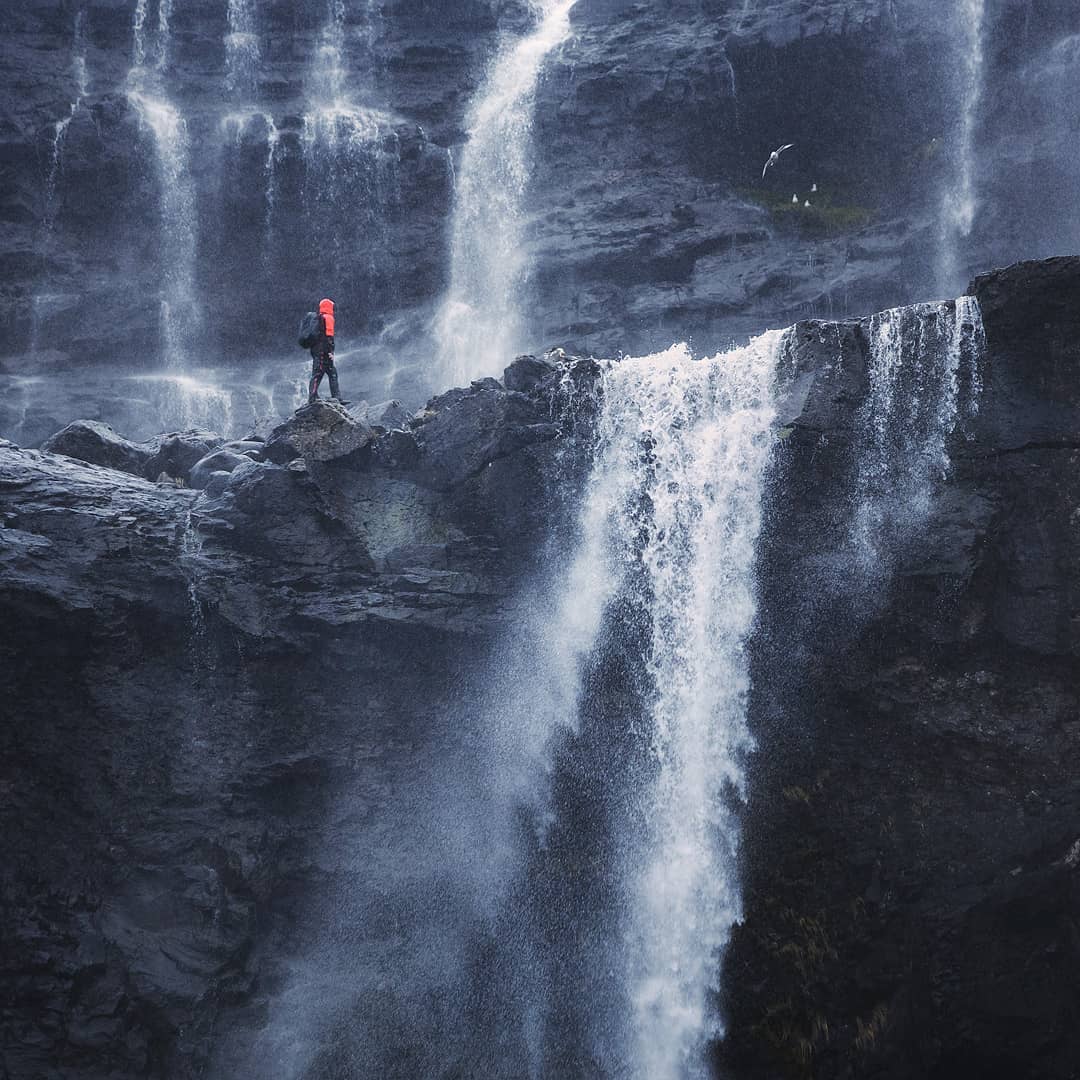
(467, 432)
(97, 444)
(527, 372)
(909, 880)
(253, 448)
(175, 454)
(396, 450)
(224, 460)
(322, 431)
(201, 677)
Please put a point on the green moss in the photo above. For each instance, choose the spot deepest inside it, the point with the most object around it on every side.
(827, 215)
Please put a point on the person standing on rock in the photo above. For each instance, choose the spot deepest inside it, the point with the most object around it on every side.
(322, 354)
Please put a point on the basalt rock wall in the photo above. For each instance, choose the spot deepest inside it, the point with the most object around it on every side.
(649, 218)
(213, 702)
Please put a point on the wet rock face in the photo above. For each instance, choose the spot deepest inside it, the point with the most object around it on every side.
(911, 896)
(652, 223)
(98, 444)
(206, 679)
(321, 431)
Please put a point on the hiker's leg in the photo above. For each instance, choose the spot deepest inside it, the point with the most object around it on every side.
(331, 371)
(316, 378)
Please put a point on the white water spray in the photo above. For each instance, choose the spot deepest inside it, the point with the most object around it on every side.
(479, 323)
(696, 436)
(164, 34)
(179, 311)
(242, 51)
(960, 203)
(924, 382)
(333, 117)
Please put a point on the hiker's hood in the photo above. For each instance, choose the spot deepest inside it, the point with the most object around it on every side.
(326, 307)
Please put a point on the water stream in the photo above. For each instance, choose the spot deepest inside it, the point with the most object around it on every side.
(162, 120)
(960, 202)
(479, 323)
(81, 77)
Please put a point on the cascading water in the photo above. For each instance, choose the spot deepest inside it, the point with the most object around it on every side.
(684, 446)
(924, 382)
(246, 120)
(343, 159)
(478, 324)
(960, 202)
(242, 50)
(180, 315)
(60, 128)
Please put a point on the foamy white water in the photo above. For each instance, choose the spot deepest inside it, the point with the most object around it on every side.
(242, 50)
(179, 310)
(924, 381)
(479, 323)
(685, 446)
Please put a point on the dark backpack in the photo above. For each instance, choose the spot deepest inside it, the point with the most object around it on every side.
(310, 330)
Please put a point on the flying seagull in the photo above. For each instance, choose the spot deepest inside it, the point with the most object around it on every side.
(774, 157)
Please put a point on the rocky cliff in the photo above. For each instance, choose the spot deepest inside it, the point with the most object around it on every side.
(220, 706)
(648, 218)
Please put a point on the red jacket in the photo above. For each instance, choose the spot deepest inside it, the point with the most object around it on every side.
(326, 310)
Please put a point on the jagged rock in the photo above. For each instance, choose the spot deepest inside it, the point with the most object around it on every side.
(527, 372)
(396, 450)
(97, 444)
(7, 444)
(221, 460)
(322, 431)
(212, 690)
(468, 431)
(175, 454)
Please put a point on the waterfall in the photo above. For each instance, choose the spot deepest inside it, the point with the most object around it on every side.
(242, 51)
(178, 307)
(924, 383)
(179, 310)
(60, 128)
(960, 202)
(678, 483)
(340, 140)
(479, 322)
(164, 34)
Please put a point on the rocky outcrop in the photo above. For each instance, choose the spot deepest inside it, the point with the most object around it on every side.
(97, 444)
(177, 453)
(651, 221)
(201, 675)
(192, 671)
(911, 903)
(321, 431)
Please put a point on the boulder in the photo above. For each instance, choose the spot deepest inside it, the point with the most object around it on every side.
(176, 453)
(252, 448)
(321, 431)
(97, 444)
(527, 372)
(223, 460)
(466, 433)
